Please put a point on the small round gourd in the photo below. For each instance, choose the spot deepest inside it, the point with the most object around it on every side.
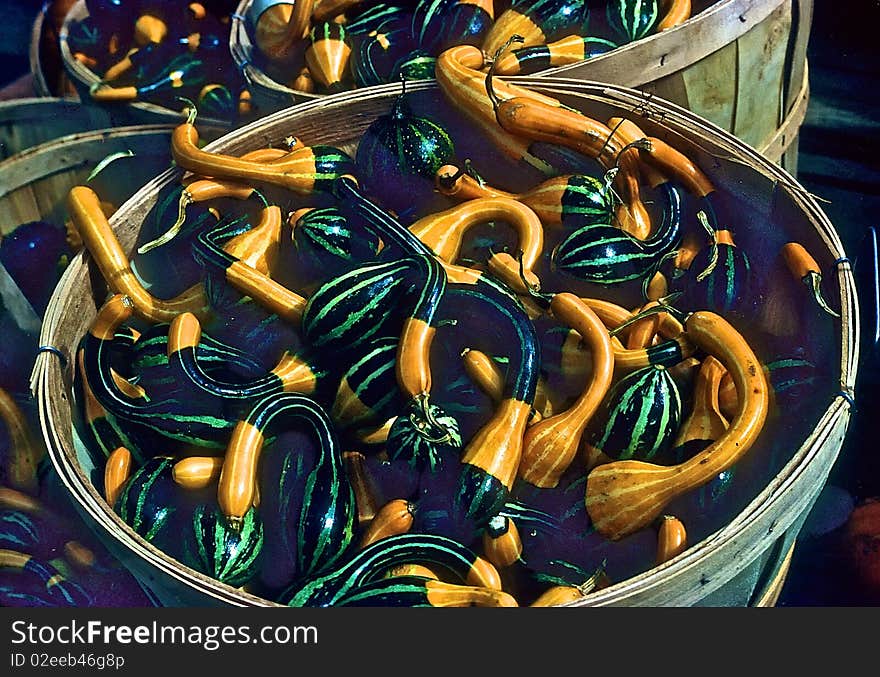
(398, 155)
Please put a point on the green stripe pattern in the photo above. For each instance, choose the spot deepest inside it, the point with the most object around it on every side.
(556, 18)
(642, 415)
(440, 24)
(17, 531)
(727, 288)
(328, 245)
(394, 591)
(179, 414)
(632, 19)
(150, 503)
(373, 562)
(228, 555)
(375, 55)
(377, 17)
(354, 307)
(585, 200)
(372, 379)
(318, 505)
(479, 496)
(328, 30)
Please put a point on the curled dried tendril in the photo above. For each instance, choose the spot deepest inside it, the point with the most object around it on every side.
(103, 164)
(713, 256)
(185, 200)
(490, 89)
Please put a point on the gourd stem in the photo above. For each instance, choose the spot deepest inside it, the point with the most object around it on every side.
(424, 411)
(185, 200)
(473, 173)
(641, 144)
(192, 111)
(534, 288)
(713, 258)
(490, 89)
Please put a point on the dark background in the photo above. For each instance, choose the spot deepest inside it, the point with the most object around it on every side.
(839, 145)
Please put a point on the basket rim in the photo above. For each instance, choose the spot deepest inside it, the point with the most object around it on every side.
(750, 14)
(751, 519)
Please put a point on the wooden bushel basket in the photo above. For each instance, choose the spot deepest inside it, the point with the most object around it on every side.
(28, 122)
(742, 563)
(741, 64)
(34, 183)
(738, 63)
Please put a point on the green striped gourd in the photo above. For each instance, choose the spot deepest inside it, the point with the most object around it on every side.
(100, 431)
(184, 70)
(410, 441)
(357, 306)
(149, 358)
(180, 412)
(423, 591)
(417, 65)
(584, 200)
(328, 244)
(18, 531)
(394, 591)
(375, 55)
(328, 55)
(373, 562)
(485, 477)
(39, 583)
(440, 24)
(720, 277)
(567, 50)
(632, 19)
(378, 16)
(537, 22)
(368, 392)
(154, 506)
(641, 416)
(317, 504)
(606, 254)
(230, 556)
(398, 155)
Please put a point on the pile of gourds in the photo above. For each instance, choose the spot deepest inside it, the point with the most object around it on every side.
(321, 46)
(382, 378)
(48, 556)
(157, 52)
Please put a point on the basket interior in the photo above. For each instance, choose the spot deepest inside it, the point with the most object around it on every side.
(765, 209)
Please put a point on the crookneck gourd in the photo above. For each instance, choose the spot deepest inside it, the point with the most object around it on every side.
(624, 496)
(316, 499)
(372, 562)
(180, 413)
(570, 200)
(608, 255)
